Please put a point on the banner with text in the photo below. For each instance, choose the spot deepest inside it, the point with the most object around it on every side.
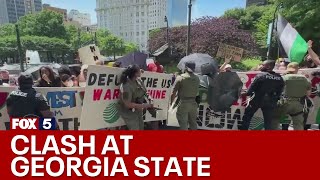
(232, 119)
(65, 103)
(103, 93)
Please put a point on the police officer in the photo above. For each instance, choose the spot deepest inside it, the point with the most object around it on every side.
(294, 101)
(132, 89)
(26, 102)
(265, 92)
(187, 88)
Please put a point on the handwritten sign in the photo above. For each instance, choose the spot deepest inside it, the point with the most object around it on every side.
(89, 54)
(227, 51)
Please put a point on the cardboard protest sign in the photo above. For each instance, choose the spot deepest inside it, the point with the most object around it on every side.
(89, 54)
(33, 57)
(232, 119)
(65, 103)
(102, 94)
(227, 51)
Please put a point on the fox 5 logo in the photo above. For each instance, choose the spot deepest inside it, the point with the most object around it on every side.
(33, 124)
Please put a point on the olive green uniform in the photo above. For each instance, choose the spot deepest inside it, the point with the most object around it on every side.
(130, 91)
(293, 102)
(187, 86)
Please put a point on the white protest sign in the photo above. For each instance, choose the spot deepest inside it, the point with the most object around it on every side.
(102, 94)
(227, 51)
(89, 54)
(33, 57)
(232, 119)
(65, 103)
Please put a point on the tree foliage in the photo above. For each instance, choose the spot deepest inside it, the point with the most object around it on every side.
(305, 16)
(45, 23)
(45, 31)
(206, 35)
(7, 30)
(302, 14)
(107, 42)
(8, 44)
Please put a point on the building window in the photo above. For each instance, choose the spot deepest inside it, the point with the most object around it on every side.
(137, 33)
(142, 33)
(137, 14)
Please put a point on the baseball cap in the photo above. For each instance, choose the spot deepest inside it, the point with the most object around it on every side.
(228, 66)
(25, 80)
(292, 67)
(190, 66)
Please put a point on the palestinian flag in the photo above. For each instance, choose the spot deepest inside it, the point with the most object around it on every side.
(293, 44)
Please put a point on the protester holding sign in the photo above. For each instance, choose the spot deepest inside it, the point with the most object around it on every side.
(132, 91)
(47, 78)
(226, 67)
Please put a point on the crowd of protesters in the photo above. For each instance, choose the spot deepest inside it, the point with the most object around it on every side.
(265, 91)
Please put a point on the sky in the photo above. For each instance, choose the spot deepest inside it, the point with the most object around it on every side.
(200, 8)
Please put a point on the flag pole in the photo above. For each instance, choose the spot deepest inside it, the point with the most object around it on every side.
(280, 5)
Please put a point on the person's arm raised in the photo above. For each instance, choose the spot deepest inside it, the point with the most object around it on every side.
(313, 55)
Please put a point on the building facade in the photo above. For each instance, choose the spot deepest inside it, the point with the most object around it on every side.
(133, 19)
(83, 18)
(12, 10)
(63, 12)
(256, 2)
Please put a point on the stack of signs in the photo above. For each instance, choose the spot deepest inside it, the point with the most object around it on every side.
(89, 54)
(230, 52)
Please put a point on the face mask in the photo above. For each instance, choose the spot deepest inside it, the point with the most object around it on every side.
(82, 84)
(70, 84)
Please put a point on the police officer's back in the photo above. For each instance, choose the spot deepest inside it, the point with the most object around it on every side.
(265, 92)
(26, 102)
(187, 89)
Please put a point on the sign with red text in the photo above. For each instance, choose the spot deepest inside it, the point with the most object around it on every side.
(102, 93)
(65, 103)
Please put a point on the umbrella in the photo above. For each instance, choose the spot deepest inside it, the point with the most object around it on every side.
(137, 58)
(224, 90)
(199, 59)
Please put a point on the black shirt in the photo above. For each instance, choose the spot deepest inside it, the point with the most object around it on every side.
(23, 103)
(42, 83)
(267, 83)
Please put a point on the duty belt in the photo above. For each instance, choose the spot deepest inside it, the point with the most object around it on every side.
(293, 98)
(187, 98)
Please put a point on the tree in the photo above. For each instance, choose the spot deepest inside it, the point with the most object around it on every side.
(305, 17)
(206, 35)
(7, 30)
(45, 23)
(8, 45)
(302, 14)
